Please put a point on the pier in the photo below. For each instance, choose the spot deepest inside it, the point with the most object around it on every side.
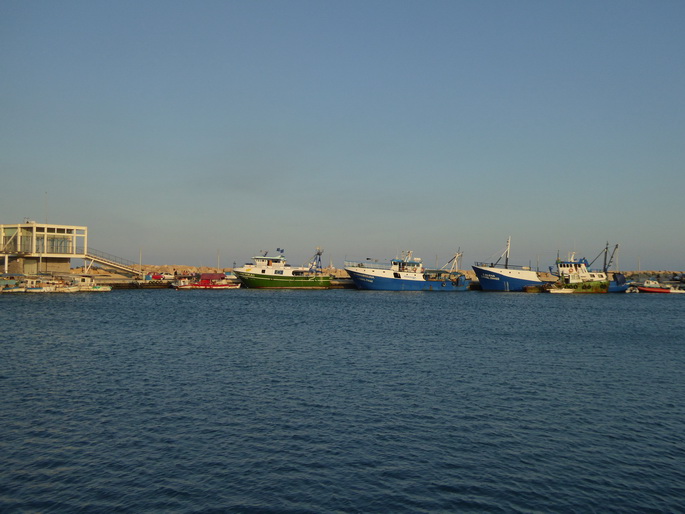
(30, 248)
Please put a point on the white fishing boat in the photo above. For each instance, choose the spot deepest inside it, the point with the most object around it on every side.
(48, 285)
(87, 284)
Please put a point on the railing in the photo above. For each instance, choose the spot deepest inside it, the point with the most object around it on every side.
(110, 258)
(25, 244)
(502, 266)
(12, 245)
(368, 264)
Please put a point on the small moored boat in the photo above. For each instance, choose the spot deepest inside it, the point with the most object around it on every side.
(560, 290)
(48, 285)
(214, 281)
(652, 286)
(87, 284)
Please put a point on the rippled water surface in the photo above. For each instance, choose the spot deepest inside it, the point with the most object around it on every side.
(353, 401)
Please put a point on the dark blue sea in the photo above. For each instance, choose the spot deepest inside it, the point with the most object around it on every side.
(342, 401)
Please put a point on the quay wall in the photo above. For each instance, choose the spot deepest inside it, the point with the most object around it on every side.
(110, 277)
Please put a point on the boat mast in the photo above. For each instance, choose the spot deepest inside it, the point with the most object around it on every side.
(315, 263)
(606, 253)
(611, 259)
(454, 262)
(505, 255)
(506, 260)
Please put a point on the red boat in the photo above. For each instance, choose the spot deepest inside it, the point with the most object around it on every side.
(207, 281)
(645, 289)
(652, 286)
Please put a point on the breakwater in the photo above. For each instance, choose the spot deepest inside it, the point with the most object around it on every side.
(341, 278)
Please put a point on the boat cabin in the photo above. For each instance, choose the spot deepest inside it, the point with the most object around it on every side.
(407, 264)
(575, 271)
(270, 262)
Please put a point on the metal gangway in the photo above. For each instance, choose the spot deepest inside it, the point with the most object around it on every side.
(111, 261)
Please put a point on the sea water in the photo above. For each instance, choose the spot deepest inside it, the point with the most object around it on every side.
(342, 400)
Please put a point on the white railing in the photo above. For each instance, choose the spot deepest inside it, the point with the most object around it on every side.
(369, 263)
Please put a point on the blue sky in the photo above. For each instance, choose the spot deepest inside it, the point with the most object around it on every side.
(187, 130)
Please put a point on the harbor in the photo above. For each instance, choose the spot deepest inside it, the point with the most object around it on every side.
(153, 277)
(37, 257)
(342, 257)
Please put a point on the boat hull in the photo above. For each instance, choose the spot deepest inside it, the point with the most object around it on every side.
(590, 287)
(560, 290)
(506, 279)
(95, 289)
(615, 287)
(410, 282)
(262, 281)
(643, 289)
(208, 286)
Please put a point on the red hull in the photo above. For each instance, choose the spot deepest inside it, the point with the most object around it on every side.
(643, 289)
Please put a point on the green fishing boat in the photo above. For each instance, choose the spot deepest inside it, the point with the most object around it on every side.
(273, 272)
(575, 277)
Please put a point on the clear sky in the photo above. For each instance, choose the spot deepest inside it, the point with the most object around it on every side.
(186, 130)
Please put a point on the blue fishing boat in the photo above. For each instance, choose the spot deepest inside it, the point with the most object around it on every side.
(407, 274)
(502, 276)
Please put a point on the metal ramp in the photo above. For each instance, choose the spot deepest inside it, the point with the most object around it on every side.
(111, 261)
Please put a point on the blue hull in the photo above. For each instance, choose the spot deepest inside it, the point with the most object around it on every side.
(491, 279)
(370, 282)
(618, 284)
(617, 288)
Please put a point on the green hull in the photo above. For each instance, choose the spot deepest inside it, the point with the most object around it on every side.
(598, 286)
(259, 281)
